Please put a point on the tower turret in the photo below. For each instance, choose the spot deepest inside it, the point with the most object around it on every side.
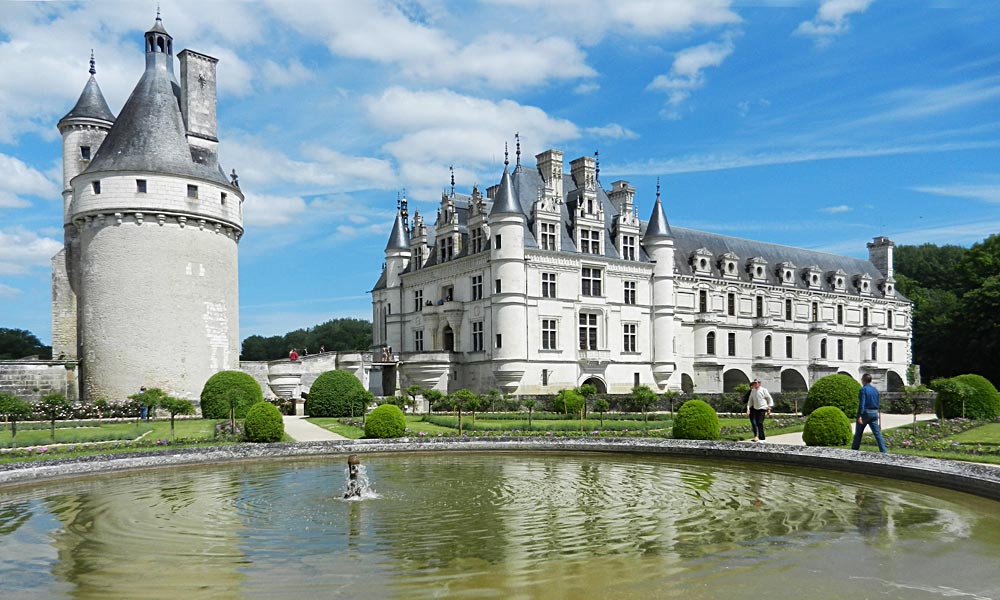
(659, 244)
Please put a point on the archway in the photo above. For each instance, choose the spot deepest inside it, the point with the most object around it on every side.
(599, 385)
(687, 384)
(793, 381)
(893, 382)
(448, 337)
(733, 378)
(846, 373)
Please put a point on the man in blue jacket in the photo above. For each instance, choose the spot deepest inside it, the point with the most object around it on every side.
(868, 414)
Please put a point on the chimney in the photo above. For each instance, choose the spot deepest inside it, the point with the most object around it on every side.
(583, 171)
(880, 254)
(198, 104)
(550, 167)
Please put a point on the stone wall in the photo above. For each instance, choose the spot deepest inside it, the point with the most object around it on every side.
(32, 379)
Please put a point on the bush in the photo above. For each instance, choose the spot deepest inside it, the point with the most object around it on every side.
(227, 387)
(335, 394)
(264, 423)
(696, 420)
(827, 426)
(833, 390)
(386, 421)
(981, 399)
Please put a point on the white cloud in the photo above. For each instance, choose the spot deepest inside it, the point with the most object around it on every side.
(9, 292)
(20, 180)
(587, 87)
(686, 73)
(21, 249)
(831, 19)
(833, 210)
(985, 192)
(612, 131)
(262, 210)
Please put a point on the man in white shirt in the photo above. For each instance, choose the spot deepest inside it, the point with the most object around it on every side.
(759, 403)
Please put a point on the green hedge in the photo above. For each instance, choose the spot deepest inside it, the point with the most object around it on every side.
(696, 420)
(833, 390)
(226, 386)
(264, 423)
(981, 399)
(336, 394)
(386, 421)
(827, 426)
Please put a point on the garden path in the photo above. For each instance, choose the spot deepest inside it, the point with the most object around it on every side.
(886, 420)
(301, 430)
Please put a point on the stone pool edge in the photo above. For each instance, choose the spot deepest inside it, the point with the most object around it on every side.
(974, 478)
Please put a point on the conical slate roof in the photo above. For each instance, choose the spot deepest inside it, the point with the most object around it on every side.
(91, 104)
(658, 226)
(399, 239)
(504, 202)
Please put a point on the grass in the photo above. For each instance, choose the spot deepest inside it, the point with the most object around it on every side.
(334, 425)
(75, 435)
(986, 434)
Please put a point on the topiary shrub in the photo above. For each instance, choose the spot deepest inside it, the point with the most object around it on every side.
(833, 390)
(696, 420)
(827, 426)
(973, 394)
(227, 387)
(386, 421)
(264, 423)
(335, 394)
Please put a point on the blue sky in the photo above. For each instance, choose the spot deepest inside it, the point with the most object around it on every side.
(818, 124)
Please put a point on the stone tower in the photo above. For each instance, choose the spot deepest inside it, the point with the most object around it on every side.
(659, 244)
(152, 225)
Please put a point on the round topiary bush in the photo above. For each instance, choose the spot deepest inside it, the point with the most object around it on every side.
(827, 426)
(981, 399)
(335, 394)
(833, 390)
(696, 420)
(264, 423)
(227, 387)
(386, 421)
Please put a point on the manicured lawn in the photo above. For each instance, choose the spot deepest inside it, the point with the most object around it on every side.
(74, 435)
(987, 434)
(956, 439)
(334, 425)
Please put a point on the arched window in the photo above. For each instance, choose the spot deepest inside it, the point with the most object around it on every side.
(822, 348)
(840, 349)
(710, 343)
(864, 316)
(874, 350)
(888, 321)
(815, 311)
(760, 306)
(160, 45)
(788, 310)
(840, 314)
(767, 345)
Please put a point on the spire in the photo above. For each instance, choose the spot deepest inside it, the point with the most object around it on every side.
(504, 202)
(399, 239)
(91, 104)
(452, 169)
(658, 225)
(506, 156)
(93, 67)
(517, 138)
(597, 168)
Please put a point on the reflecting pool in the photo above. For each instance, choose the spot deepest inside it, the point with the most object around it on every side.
(497, 525)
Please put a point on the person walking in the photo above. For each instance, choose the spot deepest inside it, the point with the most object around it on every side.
(759, 404)
(868, 414)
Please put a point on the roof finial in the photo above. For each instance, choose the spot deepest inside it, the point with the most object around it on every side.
(452, 169)
(597, 166)
(506, 155)
(517, 137)
(158, 11)
(657, 188)
(403, 211)
(93, 67)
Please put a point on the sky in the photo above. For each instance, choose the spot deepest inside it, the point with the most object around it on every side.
(816, 124)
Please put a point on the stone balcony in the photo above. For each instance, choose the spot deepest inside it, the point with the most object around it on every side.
(762, 321)
(819, 326)
(706, 318)
(594, 356)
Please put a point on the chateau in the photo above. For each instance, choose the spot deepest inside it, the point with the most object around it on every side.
(550, 281)
(145, 290)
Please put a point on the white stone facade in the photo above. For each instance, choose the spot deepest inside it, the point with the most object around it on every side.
(605, 299)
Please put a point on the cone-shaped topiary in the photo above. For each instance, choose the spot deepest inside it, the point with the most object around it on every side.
(229, 387)
(696, 420)
(972, 394)
(264, 423)
(833, 390)
(335, 394)
(386, 421)
(827, 426)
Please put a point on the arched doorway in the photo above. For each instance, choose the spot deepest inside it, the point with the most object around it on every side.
(733, 378)
(893, 382)
(793, 381)
(448, 337)
(599, 385)
(687, 384)
(845, 373)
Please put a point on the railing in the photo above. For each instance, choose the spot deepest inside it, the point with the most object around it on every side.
(595, 356)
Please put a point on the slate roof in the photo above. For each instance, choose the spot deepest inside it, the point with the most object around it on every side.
(399, 238)
(91, 105)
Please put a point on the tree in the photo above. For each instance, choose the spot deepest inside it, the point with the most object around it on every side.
(336, 335)
(433, 398)
(979, 325)
(412, 392)
(13, 408)
(472, 404)
(175, 406)
(671, 396)
(530, 405)
(51, 405)
(588, 391)
(643, 398)
(569, 401)
(601, 405)
(492, 398)
(462, 399)
(151, 398)
(19, 343)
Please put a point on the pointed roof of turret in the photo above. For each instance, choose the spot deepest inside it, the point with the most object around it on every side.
(91, 104)
(658, 225)
(504, 202)
(399, 239)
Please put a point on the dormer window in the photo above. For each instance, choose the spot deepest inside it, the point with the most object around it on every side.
(590, 241)
(628, 247)
(701, 261)
(812, 277)
(786, 273)
(838, 279)
(863, 283)
(757, 267)
(727, 264)
(888, 286)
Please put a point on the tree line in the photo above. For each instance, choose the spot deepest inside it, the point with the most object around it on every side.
(956, 307)
(335, 335)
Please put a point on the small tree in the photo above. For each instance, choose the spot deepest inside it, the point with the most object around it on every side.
(569, 401)
(50, 405)
(492, 398)
(433, 398)
(601, 405)
(530, 405)
(643, 398)
(911, 395)
(671, 396)
(412, 392)
(589, 392)
(13, 408)
(150, 398)
(463, 399)
(176, 406)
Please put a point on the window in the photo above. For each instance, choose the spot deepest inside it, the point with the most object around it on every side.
(97, 187)
(788, 346)
(588, 331)
(548, 236)
(591, 281)
(497, 287)
(628, 341)
(840, 314)
(629, 292)
(888, 320)
(418, 258)
(874, 350)
(418, 340)
(889, 352)
(822, 348)
(732, 344)
(767, 346)
(864, 317)
(840, 349)
(85, 152)
(549, 334)
(222, 198)
(192, 191)
(788, 310)
(448, 293)
(477, 336)
(760, 306)
(476, 239)
(499, 341)
(703, 301)
(635, 380)
(548, 285)
(477, 287)
(590, 241)
(731, 304)
(545, 377)
(628, 247)
(446, 248)
(497, 242)
(815, 311)
(418, 300)
(710, 343)
(140, 186)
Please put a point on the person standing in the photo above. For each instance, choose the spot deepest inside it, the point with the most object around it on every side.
(868, 414)
(143, 408)
(293, 355)
(759, 404)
